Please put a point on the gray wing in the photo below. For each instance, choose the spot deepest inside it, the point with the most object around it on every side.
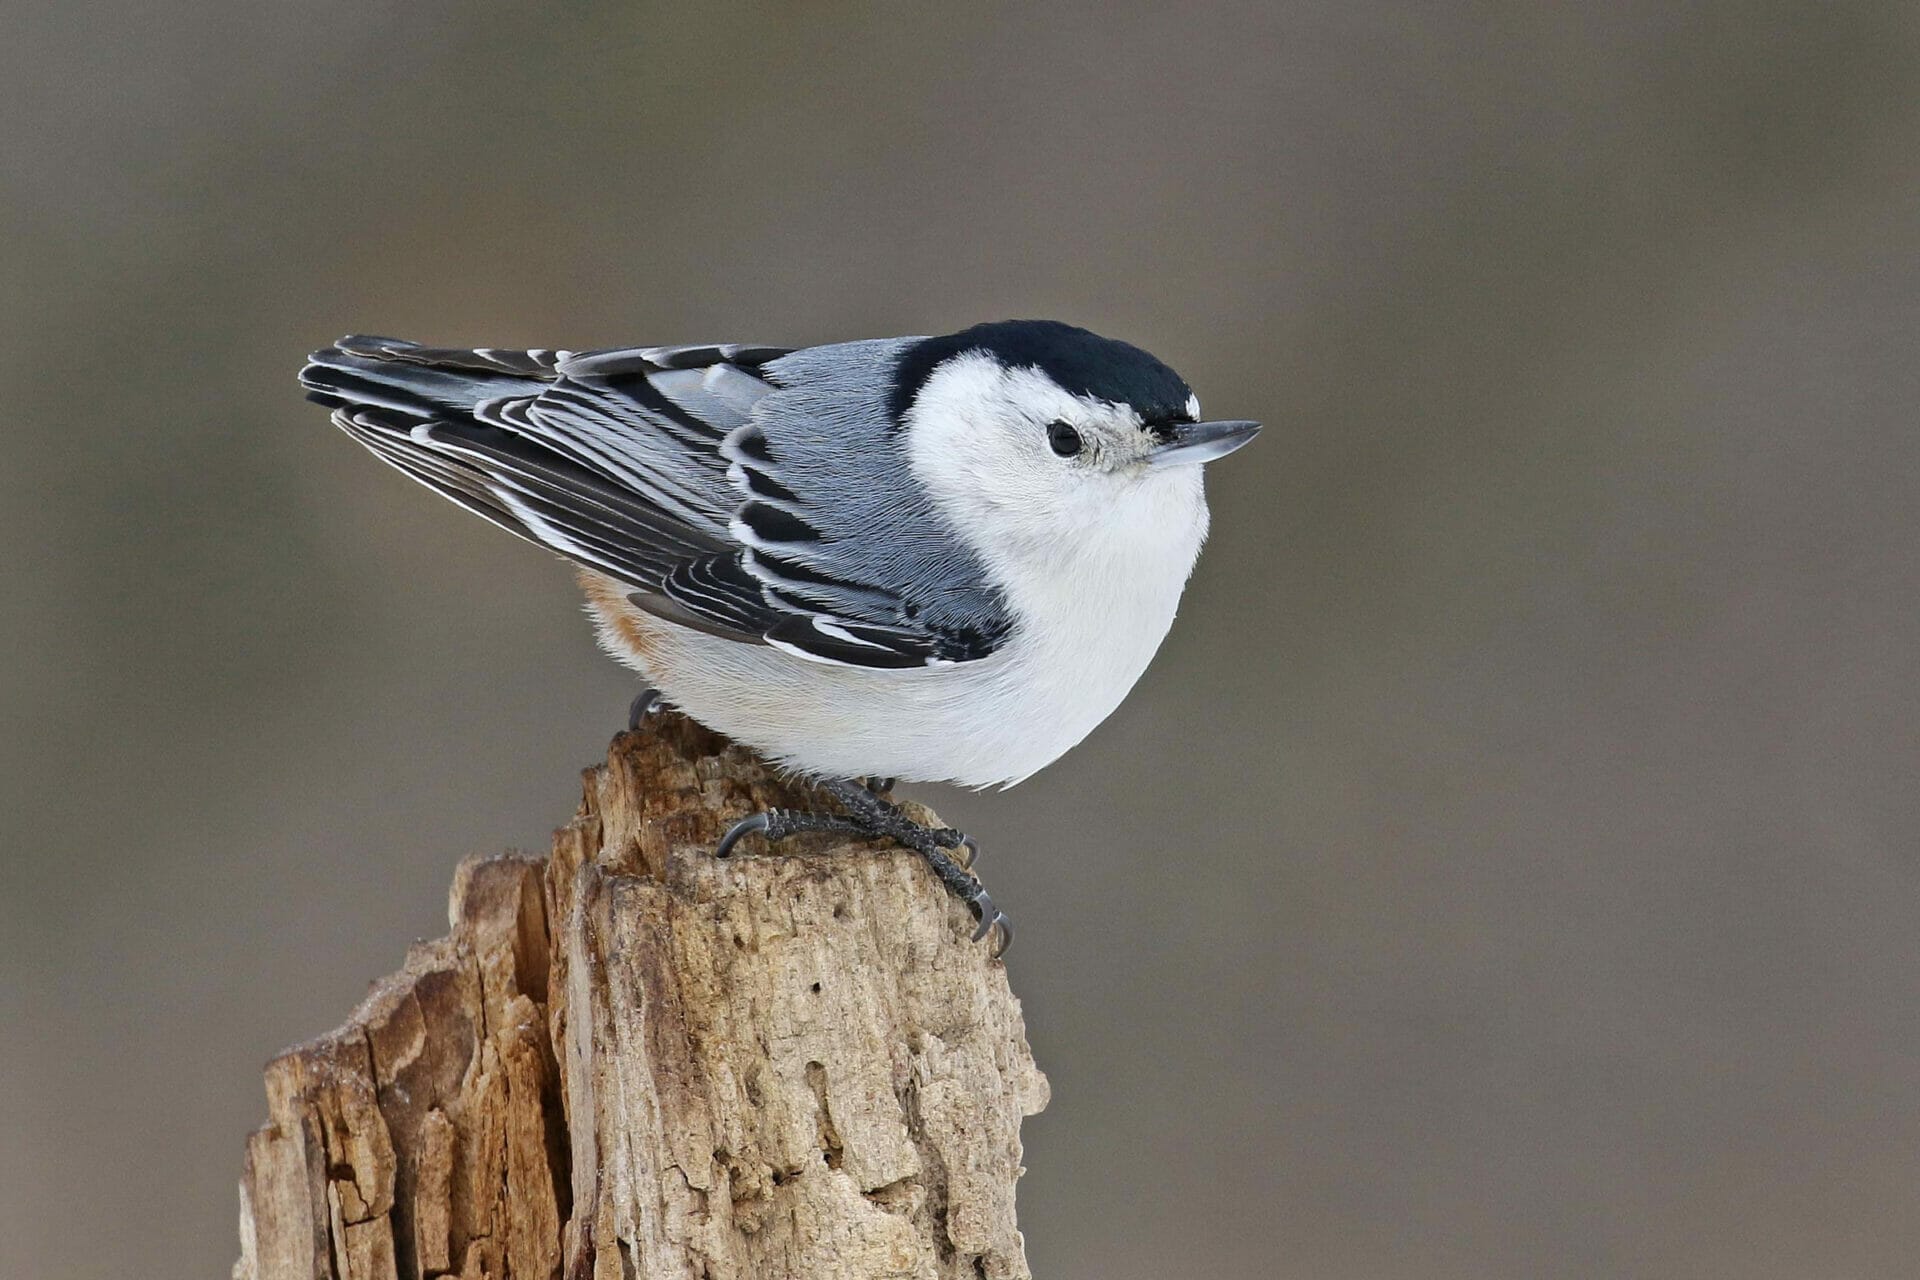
(838, 533)
(651, 465)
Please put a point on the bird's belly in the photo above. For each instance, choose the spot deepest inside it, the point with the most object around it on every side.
(976, 724)
(992, 721)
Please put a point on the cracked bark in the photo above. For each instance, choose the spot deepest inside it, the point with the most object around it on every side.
(632, 1060)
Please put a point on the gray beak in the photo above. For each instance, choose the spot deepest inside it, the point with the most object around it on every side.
(1201, 442)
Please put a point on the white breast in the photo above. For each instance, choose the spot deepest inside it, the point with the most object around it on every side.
(1089, 614)
(1093, 613)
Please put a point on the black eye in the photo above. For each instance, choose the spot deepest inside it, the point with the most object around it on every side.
(1064, 439)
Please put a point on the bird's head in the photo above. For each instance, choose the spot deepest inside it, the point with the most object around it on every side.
(1039, 438)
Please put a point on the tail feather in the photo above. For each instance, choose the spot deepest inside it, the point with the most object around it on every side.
(434, 414)
(420, 382)
(538, 363)
(388, 441)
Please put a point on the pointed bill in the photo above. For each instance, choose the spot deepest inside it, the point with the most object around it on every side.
(1193, 442)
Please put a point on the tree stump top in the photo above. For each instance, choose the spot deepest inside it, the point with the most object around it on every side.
(632, 1059)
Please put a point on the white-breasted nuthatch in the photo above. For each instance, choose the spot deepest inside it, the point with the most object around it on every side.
(938, 559)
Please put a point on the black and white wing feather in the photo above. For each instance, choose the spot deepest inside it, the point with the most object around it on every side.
(728, 499)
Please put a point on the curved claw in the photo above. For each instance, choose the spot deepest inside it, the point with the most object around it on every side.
(989, 917)
(989, 923)
(981, 904)
(753, 822)
(973, 851)
(880, 786)
(641, 707)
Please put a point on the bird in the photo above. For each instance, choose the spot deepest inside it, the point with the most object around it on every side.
(935, 558)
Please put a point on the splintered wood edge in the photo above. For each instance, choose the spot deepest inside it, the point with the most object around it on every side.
(461, 1123)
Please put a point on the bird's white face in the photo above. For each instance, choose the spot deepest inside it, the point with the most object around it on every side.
(1049, 485)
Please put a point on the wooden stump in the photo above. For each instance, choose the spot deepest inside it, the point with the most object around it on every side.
(635, 1060)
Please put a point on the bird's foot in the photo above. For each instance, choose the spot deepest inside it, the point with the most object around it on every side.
(777, 824)
(883, 787)
(643, 705)
(868, 814)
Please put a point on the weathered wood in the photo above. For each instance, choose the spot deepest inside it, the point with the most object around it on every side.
(635, 1060)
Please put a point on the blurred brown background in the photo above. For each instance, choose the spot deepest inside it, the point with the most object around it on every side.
(1508, 869)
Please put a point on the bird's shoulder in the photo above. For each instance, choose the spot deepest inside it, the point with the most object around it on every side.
(837, 526)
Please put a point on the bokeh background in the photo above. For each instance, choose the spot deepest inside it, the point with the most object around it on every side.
(1508, 869)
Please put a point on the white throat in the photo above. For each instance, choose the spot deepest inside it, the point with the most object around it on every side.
(1092, 563)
